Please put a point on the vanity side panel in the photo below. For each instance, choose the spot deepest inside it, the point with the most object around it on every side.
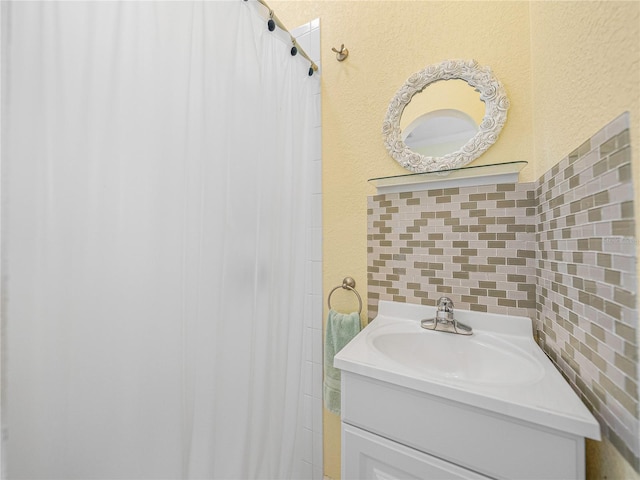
(472, 438)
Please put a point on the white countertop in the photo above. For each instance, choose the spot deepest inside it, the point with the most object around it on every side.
(545, 400)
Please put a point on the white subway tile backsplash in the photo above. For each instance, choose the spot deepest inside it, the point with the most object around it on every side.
(308, 345)
(317, 370)
(317, 277)
(316, 414)
(313, 50)
(308, 38)
(307, 411)
(316, 210)
(318, 308)
(318, 474)
(317, 345)
(300, 31)
(306, 471)
(307, 446)
(317, 448)
(316, 186)
(316, 143)
(308, 277)
(307, 378)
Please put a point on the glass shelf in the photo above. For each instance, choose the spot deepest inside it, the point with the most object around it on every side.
(456, 177)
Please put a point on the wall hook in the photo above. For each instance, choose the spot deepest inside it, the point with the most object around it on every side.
(342, 53)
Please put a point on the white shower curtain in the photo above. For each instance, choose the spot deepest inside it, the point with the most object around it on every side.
(155, 205)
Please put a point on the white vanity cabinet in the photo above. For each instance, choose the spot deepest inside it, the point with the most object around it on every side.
(391, 432)
(402, 419)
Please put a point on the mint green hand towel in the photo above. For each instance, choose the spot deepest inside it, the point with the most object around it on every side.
(341, 328)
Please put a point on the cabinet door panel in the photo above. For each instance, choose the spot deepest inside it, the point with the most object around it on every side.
(366, 456)
(496, 445)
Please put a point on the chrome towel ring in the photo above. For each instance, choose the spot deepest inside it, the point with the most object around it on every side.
(348, 284)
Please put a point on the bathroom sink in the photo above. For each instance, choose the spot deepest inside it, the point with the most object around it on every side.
(498, 368)
(483, 400)
(481, 358)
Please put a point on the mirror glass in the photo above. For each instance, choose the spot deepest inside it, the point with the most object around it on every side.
(442, 118)
(439, 132)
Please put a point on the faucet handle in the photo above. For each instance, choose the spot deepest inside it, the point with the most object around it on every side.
(445, 309)
(445, 303)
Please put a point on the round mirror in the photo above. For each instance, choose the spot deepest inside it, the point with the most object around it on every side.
(449, 124)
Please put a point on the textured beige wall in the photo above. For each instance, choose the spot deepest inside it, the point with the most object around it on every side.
(585, 67)
(585, 60)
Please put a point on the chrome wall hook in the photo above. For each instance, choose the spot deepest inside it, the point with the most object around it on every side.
(341, 54)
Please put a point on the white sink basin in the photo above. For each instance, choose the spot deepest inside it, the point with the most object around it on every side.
(481, 358)
(498, 368)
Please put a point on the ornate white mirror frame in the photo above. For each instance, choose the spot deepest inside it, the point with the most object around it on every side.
(492, 93)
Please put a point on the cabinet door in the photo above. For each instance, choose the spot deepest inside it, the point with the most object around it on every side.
(366, 456)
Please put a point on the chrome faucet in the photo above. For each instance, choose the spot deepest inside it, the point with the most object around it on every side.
(444, 321)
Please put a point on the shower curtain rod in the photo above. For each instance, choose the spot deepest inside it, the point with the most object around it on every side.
(301, 51)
